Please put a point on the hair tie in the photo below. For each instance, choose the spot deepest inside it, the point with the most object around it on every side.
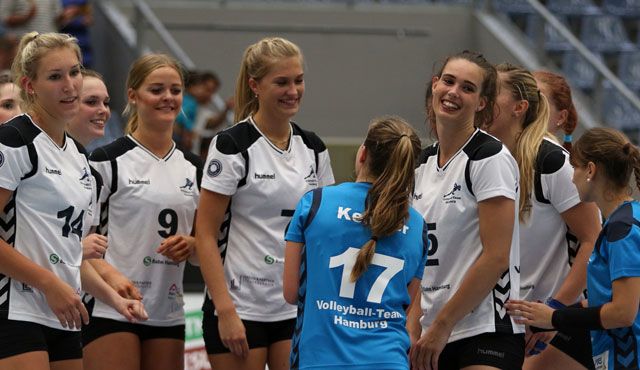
(374, 238)
(403, 135)
(568, 138)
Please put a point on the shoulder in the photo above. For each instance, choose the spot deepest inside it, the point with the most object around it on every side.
(551, 157)
(191, 158)
(18, 132)
(112, 151)
(311, 140)
(482, 146)
(237, 138)
(427, 152)
(620, 223)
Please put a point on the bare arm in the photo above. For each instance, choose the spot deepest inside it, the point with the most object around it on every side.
(211, 210)
(115, 279)
(61, 298)
(497, 217)
(291, 277)
(584, 221)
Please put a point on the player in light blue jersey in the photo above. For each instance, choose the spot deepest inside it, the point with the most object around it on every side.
(354, 259)
(603, 161)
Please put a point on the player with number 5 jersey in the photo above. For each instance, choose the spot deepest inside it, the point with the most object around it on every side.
(355, 256)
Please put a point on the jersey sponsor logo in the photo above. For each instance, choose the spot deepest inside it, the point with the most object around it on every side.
(270, 260)
(214, 168)
(345, 213)
(139, 182)
(254, 280)
(85, 178)
(417, 196)
(601, 361)
(52, 171)
(148, 261)
(187, 188)
(451, 196)
(264, 176)
(54, 259)
(26, 288)
(142, 284)
(436, 288)
(1, 159)
(311, 178)
(175, 298)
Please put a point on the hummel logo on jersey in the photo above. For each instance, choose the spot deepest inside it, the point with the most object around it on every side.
(417, 196)
(52, 171)
(451, 196)
(139, 182)
(264, 176)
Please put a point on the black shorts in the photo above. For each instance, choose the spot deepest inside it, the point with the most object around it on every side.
(504, 351)
(259, 334)
(18, 337)
(99, 327)
(577, 345)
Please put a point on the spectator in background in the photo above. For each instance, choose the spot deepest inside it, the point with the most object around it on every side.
(183, 128)
(22, 16)
(8, 44)
(211, 117)
(77, 17)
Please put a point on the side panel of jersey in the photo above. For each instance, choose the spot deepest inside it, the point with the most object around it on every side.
(544, 248)
(265, 184)
(357, 325)
(616, 255)
(154, 199)
(44, 219)
(448, 198)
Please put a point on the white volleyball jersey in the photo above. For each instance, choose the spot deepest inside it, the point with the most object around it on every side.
(265, 184)
(146, 199)
(44, 219)
(547, 248)
(448, 198)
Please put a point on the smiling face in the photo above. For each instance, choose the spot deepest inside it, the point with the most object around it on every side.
(57, 85)
(456, 93)
(94, 111)
(159, 98)
(9, 101)
(280, 91)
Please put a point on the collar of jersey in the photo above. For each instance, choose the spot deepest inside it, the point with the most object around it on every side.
(139, 144)
(64, 139)
(269, 141)
(444, 168)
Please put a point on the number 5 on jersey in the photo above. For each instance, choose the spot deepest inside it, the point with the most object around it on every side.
(347, 259)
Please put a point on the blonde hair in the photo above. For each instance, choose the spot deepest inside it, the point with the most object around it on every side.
(534, 128)
(140, 69)
(33, 46)
(257, 61)
(392, 149)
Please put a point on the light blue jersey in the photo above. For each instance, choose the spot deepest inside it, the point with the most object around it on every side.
(616, 255)
(342, 324)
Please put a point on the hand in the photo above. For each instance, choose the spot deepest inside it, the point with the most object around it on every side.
(66, 304)
(233, 333)
(122, 285)
(426, 351)
(133, 310)
(537, 342)
(94, 246)
(530, 313)
(177, 247)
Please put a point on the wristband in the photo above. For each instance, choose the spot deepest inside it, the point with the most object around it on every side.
(568, 138)
(568, 319)
(554, 303)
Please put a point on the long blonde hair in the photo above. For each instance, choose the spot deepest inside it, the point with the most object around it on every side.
(256, 63)
(392, 147)
(32, 48)
(534, 128)
(140, 69)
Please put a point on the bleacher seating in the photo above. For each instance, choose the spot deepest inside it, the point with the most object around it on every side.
(579, 71)
(622, 8)
(605, 33)
(553, 40)
(573, 7)
(629, 69)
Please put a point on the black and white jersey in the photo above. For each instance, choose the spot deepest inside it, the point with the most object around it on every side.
(146, 199)
(45, 218)
(448, 199)
(546, 247)
(265, 184)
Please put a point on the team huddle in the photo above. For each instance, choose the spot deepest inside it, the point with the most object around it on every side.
(484, 250)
